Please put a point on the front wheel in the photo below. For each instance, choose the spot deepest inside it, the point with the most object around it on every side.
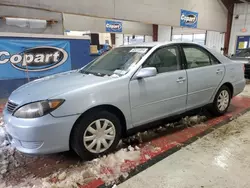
(96, 134)
(221, 101)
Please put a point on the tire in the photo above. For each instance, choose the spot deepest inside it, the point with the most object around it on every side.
(84, 140)
(220, 108)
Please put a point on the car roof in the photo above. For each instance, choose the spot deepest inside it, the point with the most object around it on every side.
(220, 57)
(153, 44)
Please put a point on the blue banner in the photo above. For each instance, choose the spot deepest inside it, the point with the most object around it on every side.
(113, 26)
(20, 58)
(188, 19)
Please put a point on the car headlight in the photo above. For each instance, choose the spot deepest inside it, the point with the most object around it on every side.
(37, 109)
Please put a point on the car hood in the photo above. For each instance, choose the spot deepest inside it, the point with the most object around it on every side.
(51, 86)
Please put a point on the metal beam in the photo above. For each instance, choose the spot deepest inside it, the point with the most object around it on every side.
(229, 4)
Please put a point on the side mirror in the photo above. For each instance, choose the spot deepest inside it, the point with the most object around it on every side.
(146, 72)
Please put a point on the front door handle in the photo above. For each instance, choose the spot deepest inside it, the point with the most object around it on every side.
(180, 79)
(219, 71)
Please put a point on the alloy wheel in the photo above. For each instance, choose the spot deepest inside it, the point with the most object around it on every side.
(223, 100)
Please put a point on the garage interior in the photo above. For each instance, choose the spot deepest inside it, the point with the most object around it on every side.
(196, 150)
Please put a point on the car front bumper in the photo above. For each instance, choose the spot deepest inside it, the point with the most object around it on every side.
(42, 135)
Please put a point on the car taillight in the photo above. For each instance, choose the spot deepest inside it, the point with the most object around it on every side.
(244, 67)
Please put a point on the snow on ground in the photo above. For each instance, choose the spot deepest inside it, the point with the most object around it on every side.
(7, 155)
(1, 121)
(5, 152)
(187, 121)
(109, 168)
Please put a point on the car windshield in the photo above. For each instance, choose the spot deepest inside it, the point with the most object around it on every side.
(116, 62)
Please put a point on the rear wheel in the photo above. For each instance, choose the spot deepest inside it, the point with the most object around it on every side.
(96, 134)
(221, 101)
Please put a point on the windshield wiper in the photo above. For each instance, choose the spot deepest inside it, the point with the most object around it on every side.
(94, 73)
(86, 72)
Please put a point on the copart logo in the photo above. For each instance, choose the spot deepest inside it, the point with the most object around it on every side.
(35, 59)
(116, 26)
(189, 19)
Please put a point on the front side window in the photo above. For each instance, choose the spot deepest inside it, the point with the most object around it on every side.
(164, 60)
(117, 61)
(196, 57)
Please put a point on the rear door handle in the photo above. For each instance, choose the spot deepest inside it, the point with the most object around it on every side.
(180, 80)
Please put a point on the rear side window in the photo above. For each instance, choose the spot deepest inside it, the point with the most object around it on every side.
(196, 57)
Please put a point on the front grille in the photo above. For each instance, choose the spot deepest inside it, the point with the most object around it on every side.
(11, 106)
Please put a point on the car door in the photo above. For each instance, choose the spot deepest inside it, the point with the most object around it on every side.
(162, 95)
(204, 75)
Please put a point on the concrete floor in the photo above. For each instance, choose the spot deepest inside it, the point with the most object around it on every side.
(220, 159)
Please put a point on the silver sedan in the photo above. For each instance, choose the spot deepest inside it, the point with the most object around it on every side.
(91, 109)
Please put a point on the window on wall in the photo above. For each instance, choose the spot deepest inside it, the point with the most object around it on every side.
(133, 39)
(198, 38)
(187, 38)
(176, 38)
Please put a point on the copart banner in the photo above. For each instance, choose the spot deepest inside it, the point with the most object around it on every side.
(21, 58)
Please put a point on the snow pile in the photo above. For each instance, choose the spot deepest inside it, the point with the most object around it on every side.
(115, 165)
(6, 157)
(4, 152)
(29, 183)
(148, 135)
(7, 154)
(2, 135)
(108, 168)
(189, 121)
(1, 121)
